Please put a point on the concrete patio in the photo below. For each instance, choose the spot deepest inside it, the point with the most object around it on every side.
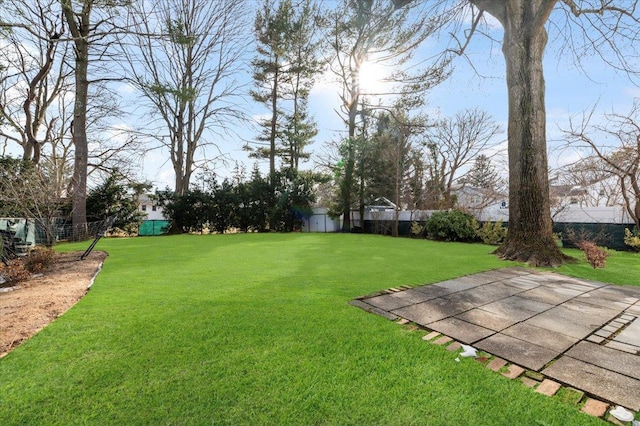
(581, 333)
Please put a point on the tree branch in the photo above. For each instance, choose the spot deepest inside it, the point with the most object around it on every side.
(468, 35)
(577, 11)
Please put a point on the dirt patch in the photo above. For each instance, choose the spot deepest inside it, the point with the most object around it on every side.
(36, 302)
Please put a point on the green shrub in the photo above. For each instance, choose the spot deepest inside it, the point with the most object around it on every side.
(492, 233)
(632, 238)
(452, 225)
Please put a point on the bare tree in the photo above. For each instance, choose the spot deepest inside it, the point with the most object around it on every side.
(46, 111)
(608, 28)
(616, 144)
(36, 72)
(57, 161)
(453, 144)
(186, 58)
(26, 191)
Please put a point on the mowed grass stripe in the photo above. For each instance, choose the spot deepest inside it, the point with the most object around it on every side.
(256, 329)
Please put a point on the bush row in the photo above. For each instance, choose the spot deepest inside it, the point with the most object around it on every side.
(277, 203)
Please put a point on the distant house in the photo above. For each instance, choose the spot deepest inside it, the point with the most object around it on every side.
(155, 223)
(150, 207)
(381, 204)
(484, 204)
(603, 192)
(568, 194)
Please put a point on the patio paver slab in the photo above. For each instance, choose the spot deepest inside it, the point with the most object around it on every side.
(388, 302)
(546, 338)
(566, 321)
(516, 307)
(462, 283)
(598, 313)
(412, 295)
(621, 294)
(487, 319)
(522, 282)
(421, 313)
(608, 358)
(550, 295)
(523, 353)
(596, 380)
(592, 298)
(433, 291)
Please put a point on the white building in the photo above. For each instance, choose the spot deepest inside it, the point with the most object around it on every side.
(150, 207)
(320, 221)
(483, 204)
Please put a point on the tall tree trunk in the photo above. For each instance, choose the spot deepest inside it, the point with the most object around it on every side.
(274, 126)
(272, 139)
(79, 26)
(349, 162)
(79, 215)
(38, 99)
(530, 235)
(347, 184)
(397, 182)
(362, 186)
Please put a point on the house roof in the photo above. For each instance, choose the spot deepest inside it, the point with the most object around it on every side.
(382, 203)
(566, 190)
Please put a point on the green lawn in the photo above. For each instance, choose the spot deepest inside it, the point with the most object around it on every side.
(256, 329)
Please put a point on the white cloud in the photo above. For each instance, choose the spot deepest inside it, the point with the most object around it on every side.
(126, 89)
(558, 114)
(259, 118)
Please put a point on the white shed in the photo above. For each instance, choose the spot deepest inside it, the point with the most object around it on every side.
(320, 221)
